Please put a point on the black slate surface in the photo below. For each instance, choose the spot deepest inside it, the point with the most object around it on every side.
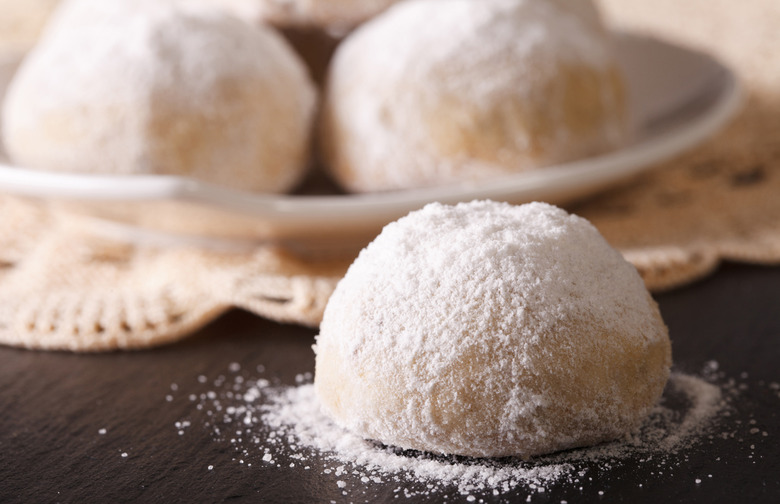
(53, 405)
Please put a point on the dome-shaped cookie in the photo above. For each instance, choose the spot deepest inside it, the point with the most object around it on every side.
(433, 92)
(143, 87)
(489, 330)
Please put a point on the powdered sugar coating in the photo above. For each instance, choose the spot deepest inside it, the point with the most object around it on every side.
(434, 92)
(140, 87)
(486, 329)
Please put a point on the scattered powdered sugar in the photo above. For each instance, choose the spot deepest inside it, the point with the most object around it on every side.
(296, 411)
(286, 428)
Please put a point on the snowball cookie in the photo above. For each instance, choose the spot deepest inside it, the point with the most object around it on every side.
(490, 330)
(428, 94)
(141, 87)
(328, 14)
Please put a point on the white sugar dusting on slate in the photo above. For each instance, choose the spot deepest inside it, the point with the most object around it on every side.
(281, 426)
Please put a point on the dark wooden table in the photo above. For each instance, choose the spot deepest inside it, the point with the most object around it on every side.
(54, 405)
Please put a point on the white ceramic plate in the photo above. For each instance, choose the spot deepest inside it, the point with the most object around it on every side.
(679, 98)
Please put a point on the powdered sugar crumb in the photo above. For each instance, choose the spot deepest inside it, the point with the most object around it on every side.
(288, 427)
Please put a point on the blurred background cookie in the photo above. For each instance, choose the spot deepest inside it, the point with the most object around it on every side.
(427, 93)
(143, 87)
